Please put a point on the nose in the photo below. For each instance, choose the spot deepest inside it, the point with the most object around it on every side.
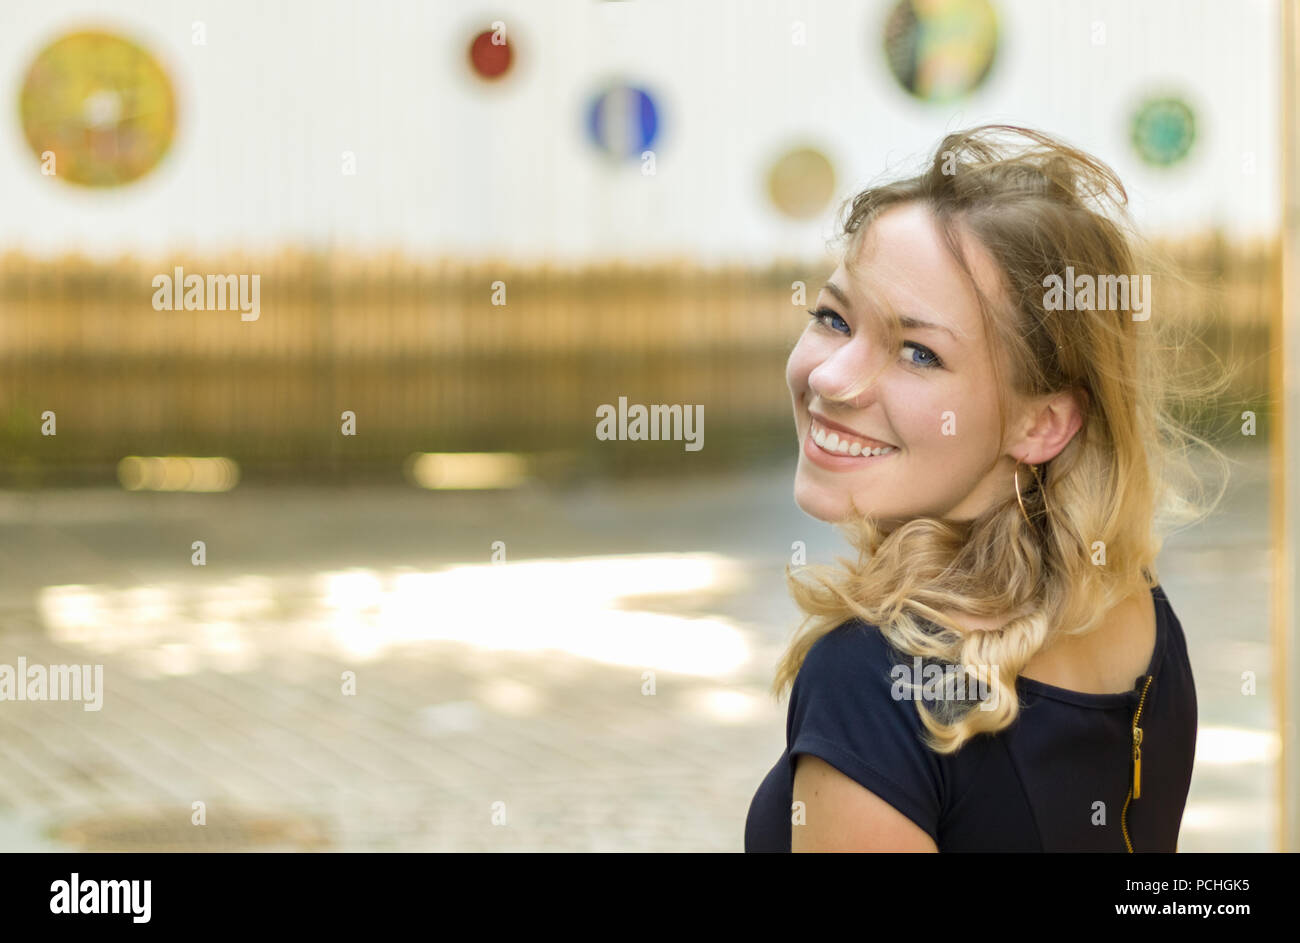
(847, 377)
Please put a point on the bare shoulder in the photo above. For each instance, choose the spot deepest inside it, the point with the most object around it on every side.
(843, 815)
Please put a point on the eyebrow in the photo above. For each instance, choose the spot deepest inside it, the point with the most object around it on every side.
(839, 295)
(917, 324)
(907, 321)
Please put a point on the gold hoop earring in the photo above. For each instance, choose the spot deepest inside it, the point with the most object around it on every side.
(1019, 499)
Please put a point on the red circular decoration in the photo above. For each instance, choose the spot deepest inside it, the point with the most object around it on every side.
(489, 60)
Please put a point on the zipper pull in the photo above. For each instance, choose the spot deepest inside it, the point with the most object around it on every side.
(1137, 762)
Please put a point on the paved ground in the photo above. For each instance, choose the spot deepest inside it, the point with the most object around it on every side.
(500, 708)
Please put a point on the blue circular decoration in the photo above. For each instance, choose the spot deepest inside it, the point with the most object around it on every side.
(623, 121)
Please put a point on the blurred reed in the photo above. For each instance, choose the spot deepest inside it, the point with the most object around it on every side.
(426, 361)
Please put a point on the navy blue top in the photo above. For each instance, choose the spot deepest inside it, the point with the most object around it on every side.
(1033, 786)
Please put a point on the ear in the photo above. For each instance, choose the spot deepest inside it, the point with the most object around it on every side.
(1052, 423)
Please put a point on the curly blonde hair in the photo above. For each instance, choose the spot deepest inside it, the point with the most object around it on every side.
(1102, 507)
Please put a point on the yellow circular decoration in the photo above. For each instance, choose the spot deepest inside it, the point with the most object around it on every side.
(101, 106)
(801, 182)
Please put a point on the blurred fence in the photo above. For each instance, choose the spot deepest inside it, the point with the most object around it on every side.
(427, 362)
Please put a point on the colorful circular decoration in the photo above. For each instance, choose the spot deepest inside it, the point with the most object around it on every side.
(1163, 131)
(102, 105)
(941, 50)
(623, 121)
(490, 60)
(801, 182)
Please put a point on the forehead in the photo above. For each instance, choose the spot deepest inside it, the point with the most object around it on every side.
(904, 262)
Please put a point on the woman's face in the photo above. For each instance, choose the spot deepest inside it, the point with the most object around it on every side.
(934, 404)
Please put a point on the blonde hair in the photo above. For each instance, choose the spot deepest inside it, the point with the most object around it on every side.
(1036, 206)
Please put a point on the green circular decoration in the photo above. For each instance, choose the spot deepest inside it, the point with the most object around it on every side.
(102, 105)
(801, 182)
(941, 50)
(1163, 131)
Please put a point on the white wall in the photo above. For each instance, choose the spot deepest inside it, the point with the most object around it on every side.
(280, 90)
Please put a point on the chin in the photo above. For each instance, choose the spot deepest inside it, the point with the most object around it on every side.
(818, 503)
(835, 507)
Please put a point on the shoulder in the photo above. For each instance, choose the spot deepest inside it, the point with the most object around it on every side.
(855, 667)
(843, 711)
(1175, 666)
(846, 694)
(855, 650)
(1175, 640)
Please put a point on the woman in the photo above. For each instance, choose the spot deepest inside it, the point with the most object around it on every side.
(981, 404)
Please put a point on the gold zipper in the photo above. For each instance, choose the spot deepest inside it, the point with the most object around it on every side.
(1135, 790)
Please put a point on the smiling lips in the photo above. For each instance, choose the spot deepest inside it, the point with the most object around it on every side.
(842, 443)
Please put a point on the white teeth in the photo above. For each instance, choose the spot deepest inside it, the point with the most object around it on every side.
(831, 442)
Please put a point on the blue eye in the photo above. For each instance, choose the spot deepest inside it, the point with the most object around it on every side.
(821, 314)
(934, 360)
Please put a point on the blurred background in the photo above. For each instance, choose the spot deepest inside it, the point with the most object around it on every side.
(360, 574)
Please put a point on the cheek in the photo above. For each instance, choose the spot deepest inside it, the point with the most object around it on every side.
(917, 407)
(943, 419)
